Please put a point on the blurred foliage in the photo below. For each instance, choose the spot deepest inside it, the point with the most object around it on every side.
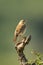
(38, 58)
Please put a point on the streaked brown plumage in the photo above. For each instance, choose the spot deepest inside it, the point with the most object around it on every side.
(20, 29)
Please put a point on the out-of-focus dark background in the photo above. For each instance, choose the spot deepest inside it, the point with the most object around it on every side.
(11, 12)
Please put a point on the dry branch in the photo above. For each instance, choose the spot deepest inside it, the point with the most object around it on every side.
(20, 48)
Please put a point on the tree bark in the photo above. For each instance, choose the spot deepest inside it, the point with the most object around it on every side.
(20, 48)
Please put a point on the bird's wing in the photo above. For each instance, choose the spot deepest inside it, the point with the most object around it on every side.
(20, 28)
(23, 29)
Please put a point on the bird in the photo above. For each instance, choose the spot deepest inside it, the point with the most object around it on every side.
(20, 29)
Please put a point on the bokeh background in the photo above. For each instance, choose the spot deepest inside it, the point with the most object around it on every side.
(11, 12)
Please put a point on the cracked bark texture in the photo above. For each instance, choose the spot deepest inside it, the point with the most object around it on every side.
(19, 46)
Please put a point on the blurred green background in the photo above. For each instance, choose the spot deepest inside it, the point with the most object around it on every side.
(11, 12)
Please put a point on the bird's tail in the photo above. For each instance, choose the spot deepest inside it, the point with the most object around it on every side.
(15, 38)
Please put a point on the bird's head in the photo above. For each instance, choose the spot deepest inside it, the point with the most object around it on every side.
(22, 21)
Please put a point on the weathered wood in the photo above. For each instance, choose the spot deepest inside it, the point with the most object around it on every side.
(20, 48)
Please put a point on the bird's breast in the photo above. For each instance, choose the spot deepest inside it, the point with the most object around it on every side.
(20, 28)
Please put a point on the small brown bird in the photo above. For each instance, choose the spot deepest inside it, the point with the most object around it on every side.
(20, 29)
